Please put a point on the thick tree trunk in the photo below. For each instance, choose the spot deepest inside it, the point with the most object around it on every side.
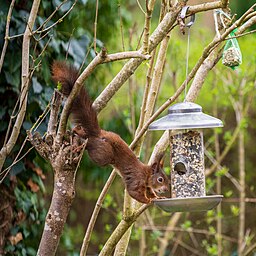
(64, 159)
(63, 195)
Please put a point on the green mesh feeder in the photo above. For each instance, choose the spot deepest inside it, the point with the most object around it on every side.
(185, 122)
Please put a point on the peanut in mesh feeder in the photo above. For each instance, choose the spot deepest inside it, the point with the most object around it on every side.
(185, 122)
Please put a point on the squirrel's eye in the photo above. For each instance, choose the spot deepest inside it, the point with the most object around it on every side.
(160, 179)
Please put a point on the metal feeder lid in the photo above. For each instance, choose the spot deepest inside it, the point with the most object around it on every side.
(185, 115)
(188, 204)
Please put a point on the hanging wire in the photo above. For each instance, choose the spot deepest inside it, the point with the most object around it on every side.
(187, 58)
(188, 25)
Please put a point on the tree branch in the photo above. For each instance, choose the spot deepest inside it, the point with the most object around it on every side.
(157, 36)
(122, 227)
(95, 213)
(6, 38)
(55, 107)
(102, 57)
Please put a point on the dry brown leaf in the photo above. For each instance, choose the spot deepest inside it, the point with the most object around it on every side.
(15, 239)
(20, 217)
(33, 186)
(39, 172)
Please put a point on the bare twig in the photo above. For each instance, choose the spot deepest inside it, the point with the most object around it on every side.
(4, 173)
(38, 31)
(121, 26)
(188, 247)
(237, 200)
(6, 38)
(51, 15)
(149, 9)
(246, 25)
(95, 213)
(241, 161)
(69, 42)
(253, 246)
(120, 230)
(233, 138)
(188, 230)
(85, 57)
(95, 27)
(146, 92)
(218, 186)
(228, 175)
(138, 2)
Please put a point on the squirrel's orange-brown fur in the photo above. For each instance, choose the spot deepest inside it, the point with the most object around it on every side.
(142, 181)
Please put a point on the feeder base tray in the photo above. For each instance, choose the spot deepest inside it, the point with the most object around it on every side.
(188, 204)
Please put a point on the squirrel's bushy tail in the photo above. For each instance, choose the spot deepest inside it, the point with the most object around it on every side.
(82, 111)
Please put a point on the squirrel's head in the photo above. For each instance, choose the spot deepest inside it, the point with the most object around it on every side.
(159, 180)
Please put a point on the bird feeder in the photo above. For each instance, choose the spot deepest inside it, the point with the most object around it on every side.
(185, 122)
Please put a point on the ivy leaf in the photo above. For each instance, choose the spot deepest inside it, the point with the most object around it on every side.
(84, 2)
(17, 168)
(37, 87)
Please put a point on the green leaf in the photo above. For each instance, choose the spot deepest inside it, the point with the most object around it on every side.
(212, 230)
(229, 193)
(108, 227)
(156, 234)
(221, 172)
(210, 213)
(59, 86)
(235, 210)
(187, 224)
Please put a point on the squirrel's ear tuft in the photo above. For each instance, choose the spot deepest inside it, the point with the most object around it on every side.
(154, 167)
(161, 162)
(158, 165)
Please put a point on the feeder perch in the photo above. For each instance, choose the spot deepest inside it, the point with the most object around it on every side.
(185, 122)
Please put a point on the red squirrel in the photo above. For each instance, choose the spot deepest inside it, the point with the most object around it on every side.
(107, 148)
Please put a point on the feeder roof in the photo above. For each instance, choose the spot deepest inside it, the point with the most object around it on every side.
(185, 115)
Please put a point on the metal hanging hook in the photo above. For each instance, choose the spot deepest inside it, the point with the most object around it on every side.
(183, 16)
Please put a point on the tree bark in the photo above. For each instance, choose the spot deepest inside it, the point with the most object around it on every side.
(241, 159)
(64, 160)
(62, 198)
